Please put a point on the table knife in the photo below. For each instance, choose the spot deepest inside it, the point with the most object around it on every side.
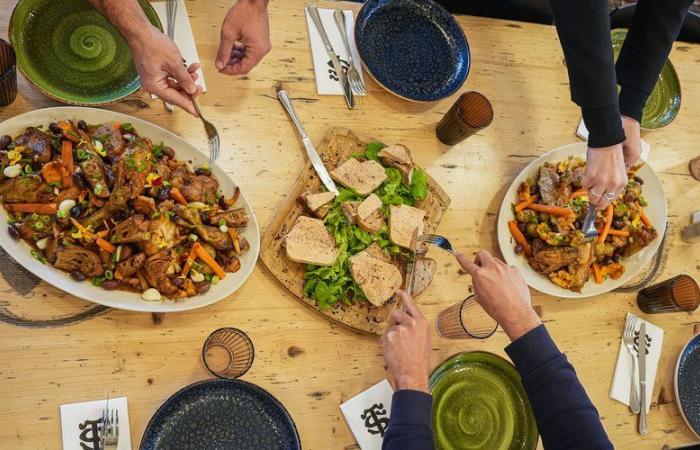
(411, 266)
(642, 355)
(315, 159)
(342, 76)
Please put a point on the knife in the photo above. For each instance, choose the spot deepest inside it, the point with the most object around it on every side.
(342, 76)
(315, 159)
(411, 266)
(642, 355)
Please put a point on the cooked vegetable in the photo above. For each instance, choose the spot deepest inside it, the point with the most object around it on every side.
(36, 208)
(177, 195)
(518, 236)
(67, 159)
(525, 203)
(553, 210)
(596, 273)
(607, 224)
(208, 260)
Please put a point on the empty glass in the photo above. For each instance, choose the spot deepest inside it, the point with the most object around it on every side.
(470, 113)
(464, 320)
(228, 353)
(680, 293)
(8, 74)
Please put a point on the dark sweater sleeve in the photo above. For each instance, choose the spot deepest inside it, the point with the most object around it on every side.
(655, 26)
(411, 422)
(565, 416)
(583, 27)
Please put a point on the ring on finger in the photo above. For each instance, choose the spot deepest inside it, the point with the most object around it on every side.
(610, 195)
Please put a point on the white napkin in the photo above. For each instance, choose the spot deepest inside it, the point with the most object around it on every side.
(582, 133)
(184, 39)
(80, 421)
(622, 379)
(327, 82)
(368, 414)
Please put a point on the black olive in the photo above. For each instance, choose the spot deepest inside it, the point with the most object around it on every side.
(164, 194)
(179, 282)
(616, 257)
(638, 179)
(169, 152)
(518, 249)
(204, 217)
(222, 203)
(577, 224)
(109, 177)
(202, 287)
(79, 181)
(77, 275)
(110, 285)
(120, 215)
(202, 171)
(607, 260)
(76, 211)
(53, 127)
(5, 141)
(14, 232)
(534, 189)
(618, 224)
(82, 125)
(522, 227)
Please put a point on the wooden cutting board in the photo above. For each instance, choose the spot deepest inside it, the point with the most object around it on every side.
(337, 147)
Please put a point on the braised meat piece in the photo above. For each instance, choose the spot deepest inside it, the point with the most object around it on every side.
(156, 271)
(37, 142)
(134, 166)
(195, 188)
(639, 239)
(553, 190)
(144, 205)
(233, 218)
(132, 230)
(94, 173)
(215, 237)
(36, 226)
(162, 235)
(132, 265)
(76, 258)
(549, 258)
(26, 189)
(110, 137)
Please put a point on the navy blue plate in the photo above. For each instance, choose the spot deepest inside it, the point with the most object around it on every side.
(221, 414)
(688, 384)
(413, 48)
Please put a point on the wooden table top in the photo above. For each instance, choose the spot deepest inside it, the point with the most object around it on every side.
(311, 365)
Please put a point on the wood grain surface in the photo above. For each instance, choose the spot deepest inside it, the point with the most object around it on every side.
(309, 363)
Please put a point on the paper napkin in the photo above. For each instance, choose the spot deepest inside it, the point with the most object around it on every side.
(368, 414)
(327, 82)
(184, 39)
(80, 422)
(582, 132)
(622, 379)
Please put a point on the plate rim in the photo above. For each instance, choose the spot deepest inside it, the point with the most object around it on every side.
(503, 236)
(676, 374)
(214, 381)
(56, 277)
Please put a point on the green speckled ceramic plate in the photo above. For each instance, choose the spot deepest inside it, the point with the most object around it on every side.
(665, 100)
(479, 403)
(72, 53)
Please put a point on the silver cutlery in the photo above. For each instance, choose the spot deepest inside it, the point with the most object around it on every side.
(411, 266)
(109, 431)
(353, 75)
(342, 78)
(315, 159)
(438, 241)
(628, 340)
(642, 354)
(212, 135)
(588, 228)
(171, 14)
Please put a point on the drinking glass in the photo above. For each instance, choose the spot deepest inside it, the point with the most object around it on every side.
(470, 113)
(8, 74)
(228, 353)
(464, 320)
(680, 293)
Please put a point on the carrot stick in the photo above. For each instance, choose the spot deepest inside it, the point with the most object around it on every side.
(525, 203)
(234, 238)
(190, 260)
(553, 210)
(177, 195)
(643, 217)
(596, 273)
(209, 261)
(613, 232)
(519, 238)
(607, 225)
(67, 157)
(579, 193)
(106, 246)
(36, 208)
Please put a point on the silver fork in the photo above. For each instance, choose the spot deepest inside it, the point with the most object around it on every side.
(588, 228)
(212, 135)
(171, 13)
(438, 241)
(353, 75)
(628, 340)
(109, 432)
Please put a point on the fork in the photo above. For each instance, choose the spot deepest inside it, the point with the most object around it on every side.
(171, 13)
(212, 135)
(588, 228)
(109, 432)
(628, 340)
(438, 241)
(353, 75)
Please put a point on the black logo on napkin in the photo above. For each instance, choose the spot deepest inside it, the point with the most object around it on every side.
(90, 436)
(375, 419)
(331, 71)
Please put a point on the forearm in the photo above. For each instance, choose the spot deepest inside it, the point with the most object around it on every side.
(565, 416)
(126, 16)
(583, 27)
(655, 26)
(410, 425)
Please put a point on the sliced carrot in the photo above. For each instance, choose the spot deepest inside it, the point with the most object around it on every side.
(579, 193)
(117, 125)
(607, 225)
(177, 195)
(234, 238)
(553, 210)
(190, 260)
(106, 246)
(33, 208)
(209, 261)
(519, 238)
(596, 273)
(525, 203)
(643, 217)
(613, 232)
(67, 157)
(53, 172)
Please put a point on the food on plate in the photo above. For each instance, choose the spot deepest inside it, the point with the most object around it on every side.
(106, 204)
(399, 157)
(548, 216)
(310, 242)
(379, 280)
(369, 266)
(317, 204)
(425, 269)
(403, 221)
(362, 177)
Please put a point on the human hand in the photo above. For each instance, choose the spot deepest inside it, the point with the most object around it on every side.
(159, 64)
(632, 147)
(245, 37)
(406, 346)
(501, 290)
(605, 176)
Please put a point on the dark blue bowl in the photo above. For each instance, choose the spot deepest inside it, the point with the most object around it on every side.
(413, 48)
(687, 383)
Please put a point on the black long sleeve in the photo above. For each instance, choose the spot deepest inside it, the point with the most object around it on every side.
(411, 422)
(655, 26)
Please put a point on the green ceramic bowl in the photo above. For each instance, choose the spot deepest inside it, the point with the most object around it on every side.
(665, 100)
(480, 403)
(72, 53)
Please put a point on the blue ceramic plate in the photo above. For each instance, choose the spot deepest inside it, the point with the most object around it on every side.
(688, 384)
(218, 414)
(413, 48)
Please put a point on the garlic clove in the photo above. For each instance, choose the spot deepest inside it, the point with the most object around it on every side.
(151, 295)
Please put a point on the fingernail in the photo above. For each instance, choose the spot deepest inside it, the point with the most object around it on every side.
(219, 65)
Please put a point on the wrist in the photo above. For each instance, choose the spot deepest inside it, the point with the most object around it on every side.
(521, 324)
(412, 383)
(139, 35)
(260, 4)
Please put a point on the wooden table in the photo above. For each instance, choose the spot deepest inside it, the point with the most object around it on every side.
(309, 364)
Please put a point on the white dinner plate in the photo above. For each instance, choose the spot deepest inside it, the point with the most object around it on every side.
(124, 299)
(656, 211)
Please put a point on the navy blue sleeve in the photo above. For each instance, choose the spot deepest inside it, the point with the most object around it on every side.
(411, 422)
(565, 416)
